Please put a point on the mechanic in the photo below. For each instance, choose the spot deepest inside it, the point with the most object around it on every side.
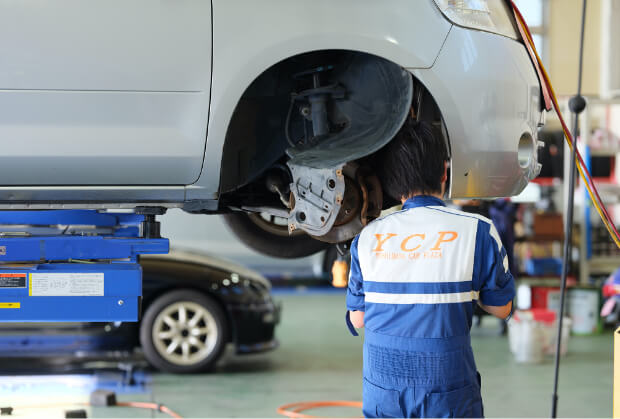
(415, 278)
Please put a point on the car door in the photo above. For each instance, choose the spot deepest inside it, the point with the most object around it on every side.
(103, 92)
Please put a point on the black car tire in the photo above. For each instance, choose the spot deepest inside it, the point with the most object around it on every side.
(274, 241)
(165, 305)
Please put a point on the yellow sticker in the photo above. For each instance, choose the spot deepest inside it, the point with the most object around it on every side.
(9, 305)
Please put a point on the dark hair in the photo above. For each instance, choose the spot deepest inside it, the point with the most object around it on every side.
(413, 162)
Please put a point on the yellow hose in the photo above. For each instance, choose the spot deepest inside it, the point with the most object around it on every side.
(598, 205)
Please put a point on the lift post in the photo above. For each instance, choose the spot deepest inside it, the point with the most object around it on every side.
(73, 265)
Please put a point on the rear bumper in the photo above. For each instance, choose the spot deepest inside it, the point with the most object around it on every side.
(254, 326)
(488, 92)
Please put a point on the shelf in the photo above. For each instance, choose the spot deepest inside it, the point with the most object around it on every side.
(605, 146)
(609, 192)
(604, 184)
(604, 151)
(548, 181)
(546, 281)
(592, 100)
(604, 264)
(556, 181)
(538, 239)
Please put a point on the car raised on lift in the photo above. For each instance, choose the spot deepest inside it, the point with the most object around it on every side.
(269, 112)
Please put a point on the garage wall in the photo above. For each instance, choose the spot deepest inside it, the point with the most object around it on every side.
(563, 31)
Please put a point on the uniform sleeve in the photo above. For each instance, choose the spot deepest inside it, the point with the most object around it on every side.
(355, 290)
(496, 283)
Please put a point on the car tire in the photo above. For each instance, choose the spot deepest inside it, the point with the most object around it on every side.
(272, 240)
(174, 341)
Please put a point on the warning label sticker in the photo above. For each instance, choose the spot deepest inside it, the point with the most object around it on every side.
(9, 305)
(66, 284)
(12, 280)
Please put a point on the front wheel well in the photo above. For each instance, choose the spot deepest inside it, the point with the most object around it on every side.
(259, 132)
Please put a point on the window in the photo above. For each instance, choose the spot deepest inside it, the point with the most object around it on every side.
(535, 14)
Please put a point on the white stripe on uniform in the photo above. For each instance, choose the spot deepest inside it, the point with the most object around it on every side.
(447, 298)
(492, 230)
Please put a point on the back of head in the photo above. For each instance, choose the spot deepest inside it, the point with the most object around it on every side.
(413, 162)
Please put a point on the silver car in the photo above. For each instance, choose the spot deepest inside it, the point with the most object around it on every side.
(263, 110)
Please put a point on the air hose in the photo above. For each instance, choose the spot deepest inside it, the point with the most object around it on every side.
(581, 165)
(293, 410)
(155, 407)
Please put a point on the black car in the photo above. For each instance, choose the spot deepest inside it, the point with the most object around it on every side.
(193, 305)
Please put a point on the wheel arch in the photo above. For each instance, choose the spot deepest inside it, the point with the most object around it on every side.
(249, 148)
(241, 55)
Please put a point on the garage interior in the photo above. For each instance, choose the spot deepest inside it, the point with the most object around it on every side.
(317, 361)
(287, 341)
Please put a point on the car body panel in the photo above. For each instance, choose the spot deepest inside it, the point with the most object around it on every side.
(216, 264)
(89, 97)
(102, 138)
(122, 109)
(200, 276)
(391, 32)
(489, 95)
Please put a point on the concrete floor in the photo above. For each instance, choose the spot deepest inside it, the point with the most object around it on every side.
(319, 360)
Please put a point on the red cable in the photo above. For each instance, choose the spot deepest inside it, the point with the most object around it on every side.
(139, 405)
(292, 410)
(546, 85)
(151, 406)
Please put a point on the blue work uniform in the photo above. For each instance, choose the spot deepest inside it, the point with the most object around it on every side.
(418, 274)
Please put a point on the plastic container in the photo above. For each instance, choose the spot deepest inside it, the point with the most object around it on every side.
(553, 335)
(532, 335)
(583, 306)
(543, 266)
(546, 298)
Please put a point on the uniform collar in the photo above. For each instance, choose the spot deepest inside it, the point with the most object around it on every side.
(422, 201)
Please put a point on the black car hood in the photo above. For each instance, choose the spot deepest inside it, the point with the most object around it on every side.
(211, 261)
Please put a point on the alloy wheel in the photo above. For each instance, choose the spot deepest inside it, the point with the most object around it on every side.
(184, 333)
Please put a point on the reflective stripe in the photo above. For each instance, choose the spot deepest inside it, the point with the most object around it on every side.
(417, 287)
(448, 298)
(492, 230)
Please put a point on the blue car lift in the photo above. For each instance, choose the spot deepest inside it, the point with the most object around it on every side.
(74, 265)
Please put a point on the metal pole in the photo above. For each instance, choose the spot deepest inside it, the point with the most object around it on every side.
(577, 105)
(616, 399)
